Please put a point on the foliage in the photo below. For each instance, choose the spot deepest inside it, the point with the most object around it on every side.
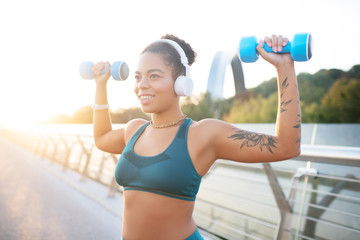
(326, 96)
(255, 110)
(125, 115)
(266, 88)
(342, 103)
(203, 106)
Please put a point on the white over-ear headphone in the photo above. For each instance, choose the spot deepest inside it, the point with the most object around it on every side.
(183, 84)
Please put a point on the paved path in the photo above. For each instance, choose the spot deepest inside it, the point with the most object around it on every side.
(40, 201)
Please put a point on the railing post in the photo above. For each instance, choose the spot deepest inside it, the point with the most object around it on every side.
(283, 204)
(88, 156)
(68, 150)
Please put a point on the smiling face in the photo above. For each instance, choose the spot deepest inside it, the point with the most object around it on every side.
(154, 85)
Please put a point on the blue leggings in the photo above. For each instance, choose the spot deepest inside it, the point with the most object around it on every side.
(195, 236)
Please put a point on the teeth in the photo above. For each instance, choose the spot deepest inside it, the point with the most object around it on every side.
(145, 97)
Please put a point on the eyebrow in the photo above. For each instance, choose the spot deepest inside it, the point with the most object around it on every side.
(151, 70)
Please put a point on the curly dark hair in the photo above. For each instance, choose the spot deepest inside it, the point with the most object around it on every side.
(170, 55)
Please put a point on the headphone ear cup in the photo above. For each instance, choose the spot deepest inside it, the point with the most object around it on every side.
(183, 86)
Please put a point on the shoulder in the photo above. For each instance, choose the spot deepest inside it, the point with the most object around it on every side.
(209, 129)
(205, 138)
(132, 126)
(209, 125)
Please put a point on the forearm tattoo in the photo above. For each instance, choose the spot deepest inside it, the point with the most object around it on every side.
(252, 139)
(298, 123)
(284, 103)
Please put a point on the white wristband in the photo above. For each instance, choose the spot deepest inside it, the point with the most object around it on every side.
(100, 107)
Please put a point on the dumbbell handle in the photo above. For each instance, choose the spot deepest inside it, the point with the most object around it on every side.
(285, 49)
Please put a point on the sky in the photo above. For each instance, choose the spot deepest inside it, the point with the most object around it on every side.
(43, 42)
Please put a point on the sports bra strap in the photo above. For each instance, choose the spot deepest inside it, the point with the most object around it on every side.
(182, 132)
(138, 133)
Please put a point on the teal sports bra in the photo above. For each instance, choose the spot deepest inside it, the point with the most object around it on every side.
(170, 173)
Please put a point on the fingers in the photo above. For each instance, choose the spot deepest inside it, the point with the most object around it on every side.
(274, 42)
(285, 41)
(277, 42)
(100, 66)
(97, 68)
(268, 41)
(260, 46)
(107, 66)
(107, 69)
(280, 43)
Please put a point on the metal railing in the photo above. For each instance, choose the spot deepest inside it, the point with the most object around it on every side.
(318, 199)
(315, 196)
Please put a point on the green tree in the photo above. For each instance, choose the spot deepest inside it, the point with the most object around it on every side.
(266, 88)
(310, 113)
(255, 110)
(354, 72)
(198, 107)
(125, 115)
(342, 103)
(203, 106)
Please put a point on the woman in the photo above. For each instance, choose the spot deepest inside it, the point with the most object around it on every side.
(162, 161)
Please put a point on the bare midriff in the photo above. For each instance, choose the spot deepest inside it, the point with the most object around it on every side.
(153, 216)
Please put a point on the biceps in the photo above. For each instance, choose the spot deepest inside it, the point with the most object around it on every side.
(112, 142)
(254, 140)
(245, 146)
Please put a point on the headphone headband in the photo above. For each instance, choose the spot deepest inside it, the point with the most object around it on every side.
(178, 48)
(181, 52)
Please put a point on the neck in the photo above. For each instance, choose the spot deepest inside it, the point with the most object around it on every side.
(160, 119)
(174, 123)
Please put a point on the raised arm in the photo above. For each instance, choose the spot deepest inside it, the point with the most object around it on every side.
(106, 139)
(245, 146)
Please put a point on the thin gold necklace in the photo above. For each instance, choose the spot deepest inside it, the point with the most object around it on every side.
(167, 125)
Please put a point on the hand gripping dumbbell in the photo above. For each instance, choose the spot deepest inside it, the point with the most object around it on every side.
(119, 70)
(299, 48)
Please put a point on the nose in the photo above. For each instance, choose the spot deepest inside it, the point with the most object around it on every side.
(143, 83)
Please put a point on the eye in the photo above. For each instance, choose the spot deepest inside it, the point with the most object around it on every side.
(137, 78)
(152, 76)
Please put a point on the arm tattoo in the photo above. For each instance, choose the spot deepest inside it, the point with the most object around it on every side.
(252, 139)
(284, 85)
(284, 103)
(298, 124)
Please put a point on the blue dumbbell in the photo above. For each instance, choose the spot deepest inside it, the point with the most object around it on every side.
(299, 48)
(119, 70)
